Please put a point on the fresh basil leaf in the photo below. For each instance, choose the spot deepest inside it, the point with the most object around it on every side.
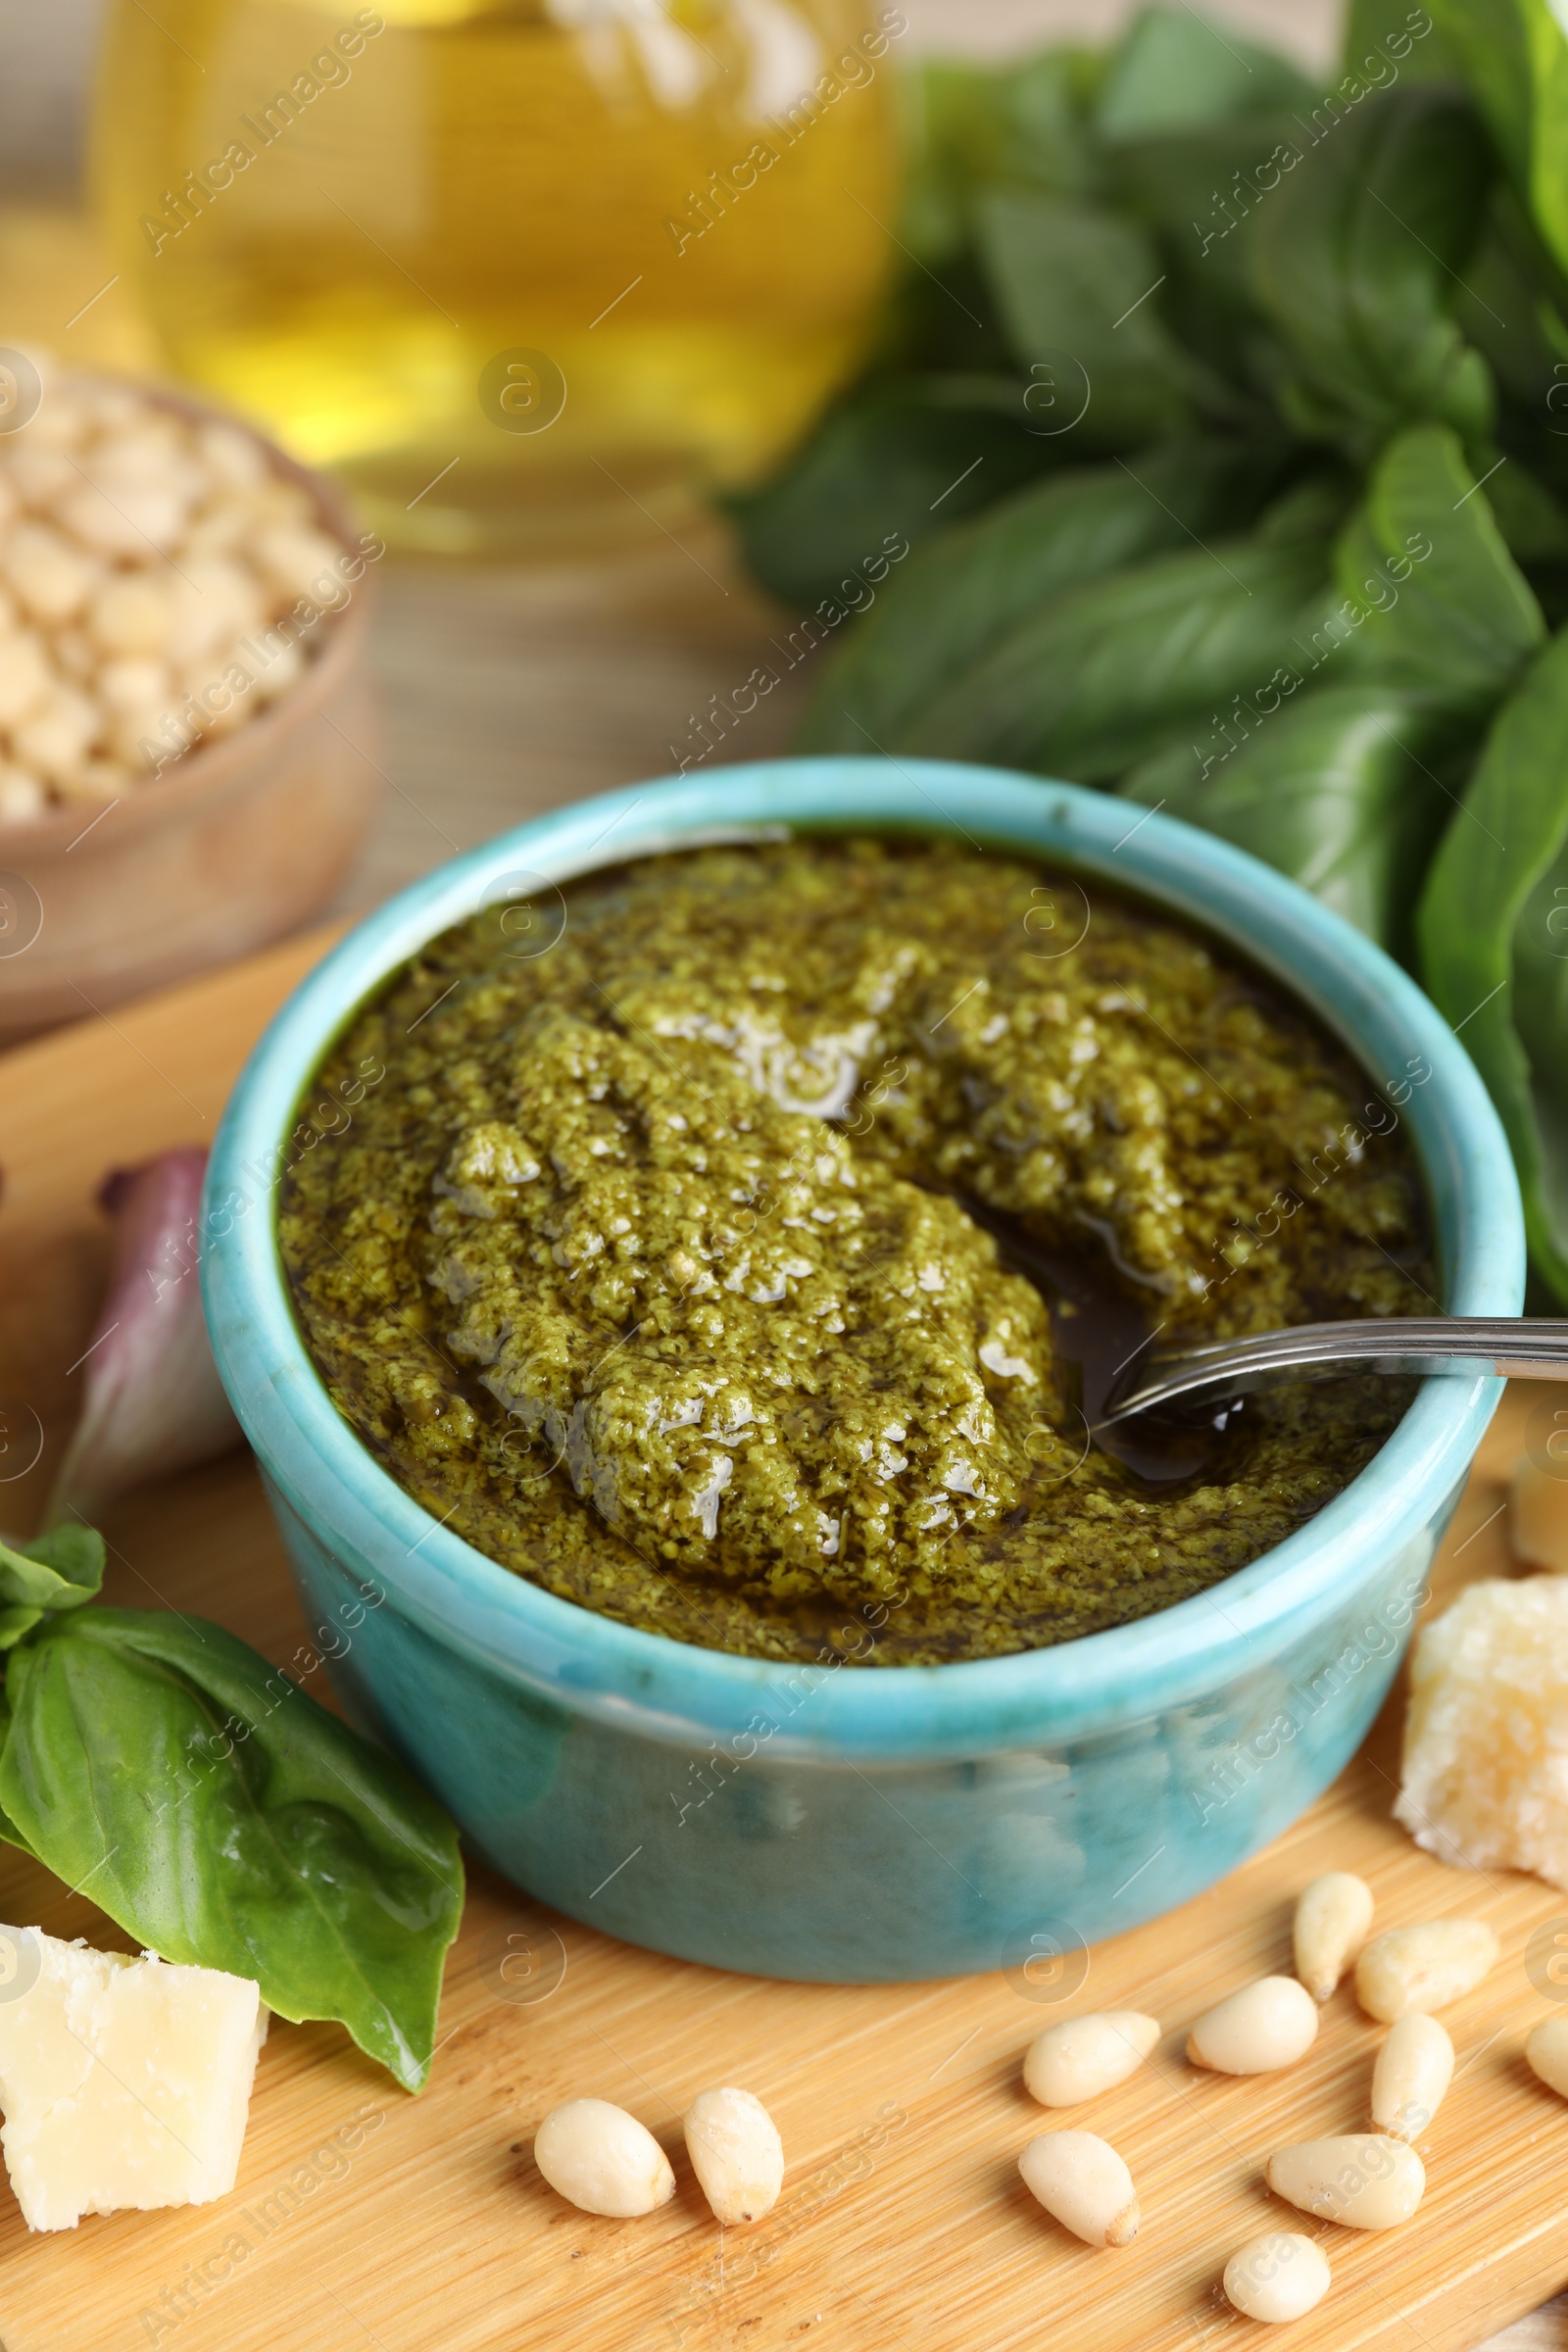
(14, 1620)
(1196, 192)
(974, 126)
(951, 111)
(1354, 260)
(1514, 56)
(1539, 998)
(941, 315)
(1172, 71)
(1042, 116)
(59, 1570)
(954, 600)
(1512, 306)
(1314, 507)
(1493, 42)
(1534, 522)
(9, 1831)
(1389, 39)
(1101, 676)
(1491, 928)
(1078, 286)
(943, 324)
(1433, 599)
(74, 1551)
(900, 460)
(1334, 787)
(225, 1819)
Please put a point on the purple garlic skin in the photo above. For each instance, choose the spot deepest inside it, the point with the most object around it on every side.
(153, 1402)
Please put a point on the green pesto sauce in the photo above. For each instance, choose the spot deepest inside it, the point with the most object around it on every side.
(619, 1266)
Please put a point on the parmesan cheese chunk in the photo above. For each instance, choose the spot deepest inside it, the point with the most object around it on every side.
(125, 2081)
(1486, 1742)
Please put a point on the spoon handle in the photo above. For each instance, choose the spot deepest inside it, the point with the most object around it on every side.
(1509, 1346)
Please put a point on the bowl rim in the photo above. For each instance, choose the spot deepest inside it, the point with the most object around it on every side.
(591, 1663)
(220, 763)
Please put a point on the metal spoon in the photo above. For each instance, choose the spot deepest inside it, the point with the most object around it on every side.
(1511, 1346)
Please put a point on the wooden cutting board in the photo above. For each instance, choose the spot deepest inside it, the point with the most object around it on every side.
(365, 2217)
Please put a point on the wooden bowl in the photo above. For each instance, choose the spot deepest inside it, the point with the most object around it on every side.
(242, 839)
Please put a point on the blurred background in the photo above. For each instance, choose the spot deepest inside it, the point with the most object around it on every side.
(607, 612)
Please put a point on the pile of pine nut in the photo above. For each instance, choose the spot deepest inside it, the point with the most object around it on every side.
(1363, 2180)
(146, 562)
(604, 2161)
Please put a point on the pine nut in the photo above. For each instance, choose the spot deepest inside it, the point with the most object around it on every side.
(148, 458)
(1085, 2055)
(1364, 2180)
(1413, 2070)
(1280, 2276)
(1084, 2183)
(128, 524)
(736, 2153)
(220, 529)
(278, 501)
(50, 577)
(131, 616)
(94, 782)
(61, 423)
(1265, 2025)
(1332, 1919)
(26, 679)
(75, 658)
(110, 407)
(1546, 2053)
(294, 558)
(217, 601)
(130, 537)
(602, 2159)
(128, 734)
(233, 456)
(39, 476)
(134, 683)
(54, 739)
(1423, 1967)
(21, 797)
(279, 673)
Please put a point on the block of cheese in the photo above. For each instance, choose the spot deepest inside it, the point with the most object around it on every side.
(1486, 1741)
(124, 2081)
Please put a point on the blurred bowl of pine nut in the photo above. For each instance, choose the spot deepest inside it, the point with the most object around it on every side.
(186, 730)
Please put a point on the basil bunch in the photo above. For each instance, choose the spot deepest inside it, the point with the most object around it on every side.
(221, 1816)
(1228, 420)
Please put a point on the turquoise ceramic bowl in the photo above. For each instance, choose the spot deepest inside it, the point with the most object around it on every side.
(864, 1823)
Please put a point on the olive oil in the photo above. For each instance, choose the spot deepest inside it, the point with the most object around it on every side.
(518, 268)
